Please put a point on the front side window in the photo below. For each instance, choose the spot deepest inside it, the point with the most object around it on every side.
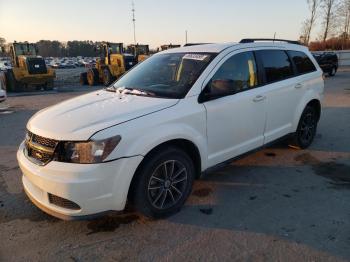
(276, 64)
(166, 75)
(302, 62)
(238, 73)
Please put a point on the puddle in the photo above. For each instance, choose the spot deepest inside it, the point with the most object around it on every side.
(202, 192)
(337, 172)
(109, 224)
(253, 198)
(270, 154)
(206, 211)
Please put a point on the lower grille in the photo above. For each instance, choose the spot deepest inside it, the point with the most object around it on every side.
(62, 202)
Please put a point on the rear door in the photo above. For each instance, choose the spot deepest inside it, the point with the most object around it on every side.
(281, 90)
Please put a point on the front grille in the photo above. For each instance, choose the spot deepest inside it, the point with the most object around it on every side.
(36, 65)
(43, 140)
(62, 202)
(39, 149)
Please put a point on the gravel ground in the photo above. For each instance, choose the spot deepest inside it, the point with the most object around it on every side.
(276, 204)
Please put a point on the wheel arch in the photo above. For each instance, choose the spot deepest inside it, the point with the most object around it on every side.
(183, 144)
(309, 100)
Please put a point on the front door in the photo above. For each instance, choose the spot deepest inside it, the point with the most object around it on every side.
(235, 123)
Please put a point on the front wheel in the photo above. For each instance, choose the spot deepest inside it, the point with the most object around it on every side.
(306, 130)
(163, 183)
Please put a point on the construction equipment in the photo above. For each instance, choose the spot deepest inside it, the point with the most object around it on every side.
(166, 47)
(112, 63)
(141, 52)
(29, 69)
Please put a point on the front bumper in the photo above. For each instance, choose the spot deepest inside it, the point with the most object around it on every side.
(96, 188)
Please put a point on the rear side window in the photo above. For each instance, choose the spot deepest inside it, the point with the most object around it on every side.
(302, 62)
(276, 64)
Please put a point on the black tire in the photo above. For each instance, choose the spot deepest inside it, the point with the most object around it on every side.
(49, 85)
(83, 78)
(153, 194)
(92, 76)
(333, 71)
(12, 85)
(107, 77)
(306, 130)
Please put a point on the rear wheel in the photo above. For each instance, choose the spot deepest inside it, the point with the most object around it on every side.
(92, 77)
(107, 77)
(49, 85)
(333, 71)
(83, 78)
(163, 183)
(307, 127)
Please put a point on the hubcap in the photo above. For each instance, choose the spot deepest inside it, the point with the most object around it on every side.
(307, 128)
(167, 184)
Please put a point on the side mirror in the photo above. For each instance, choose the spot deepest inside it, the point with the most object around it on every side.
(218, 88)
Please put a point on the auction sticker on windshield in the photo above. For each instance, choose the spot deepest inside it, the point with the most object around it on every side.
(199, 57)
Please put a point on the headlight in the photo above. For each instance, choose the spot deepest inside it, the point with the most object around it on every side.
(94, 151)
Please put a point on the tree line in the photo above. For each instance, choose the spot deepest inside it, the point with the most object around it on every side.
(56, 48)
(334, 18)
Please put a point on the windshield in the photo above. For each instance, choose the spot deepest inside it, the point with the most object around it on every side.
(166, 75)
(25, 49)
(115, 48)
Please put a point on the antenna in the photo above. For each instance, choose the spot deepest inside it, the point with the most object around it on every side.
(186, 36)
(133, 20)
(274, 37)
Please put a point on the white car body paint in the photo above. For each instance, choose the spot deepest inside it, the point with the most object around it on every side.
(220, 129)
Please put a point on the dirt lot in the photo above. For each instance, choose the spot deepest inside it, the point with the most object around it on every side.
(277, 204)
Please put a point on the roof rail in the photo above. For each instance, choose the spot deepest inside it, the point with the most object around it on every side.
(192, 44)
(252, 40)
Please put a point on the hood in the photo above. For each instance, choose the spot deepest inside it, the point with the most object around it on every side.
(79, 118)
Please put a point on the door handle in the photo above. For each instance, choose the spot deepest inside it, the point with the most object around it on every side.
(297, 86)
(259, 98)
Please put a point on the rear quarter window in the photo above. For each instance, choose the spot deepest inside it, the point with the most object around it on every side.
(302, 62)
(276, 64)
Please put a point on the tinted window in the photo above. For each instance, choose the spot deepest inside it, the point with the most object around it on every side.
(239, 72)
(302, 62)
(276, 64)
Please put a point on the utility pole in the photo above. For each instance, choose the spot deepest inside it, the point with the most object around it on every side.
(133, 20)
(186, 36)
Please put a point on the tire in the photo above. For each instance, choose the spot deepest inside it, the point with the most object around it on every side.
(49, 85)
(306, 130)
(107, 77)
(92, 77)
(83, 78)
(333, 71)
(12, 85)
(156, 196)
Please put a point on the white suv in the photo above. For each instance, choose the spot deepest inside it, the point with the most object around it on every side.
(160, 126)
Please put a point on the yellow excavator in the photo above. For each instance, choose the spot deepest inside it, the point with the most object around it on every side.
(112, 63)
(28, 69)
(141, 52)
(166, 47)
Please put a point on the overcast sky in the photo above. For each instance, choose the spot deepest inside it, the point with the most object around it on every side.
(157, 22)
